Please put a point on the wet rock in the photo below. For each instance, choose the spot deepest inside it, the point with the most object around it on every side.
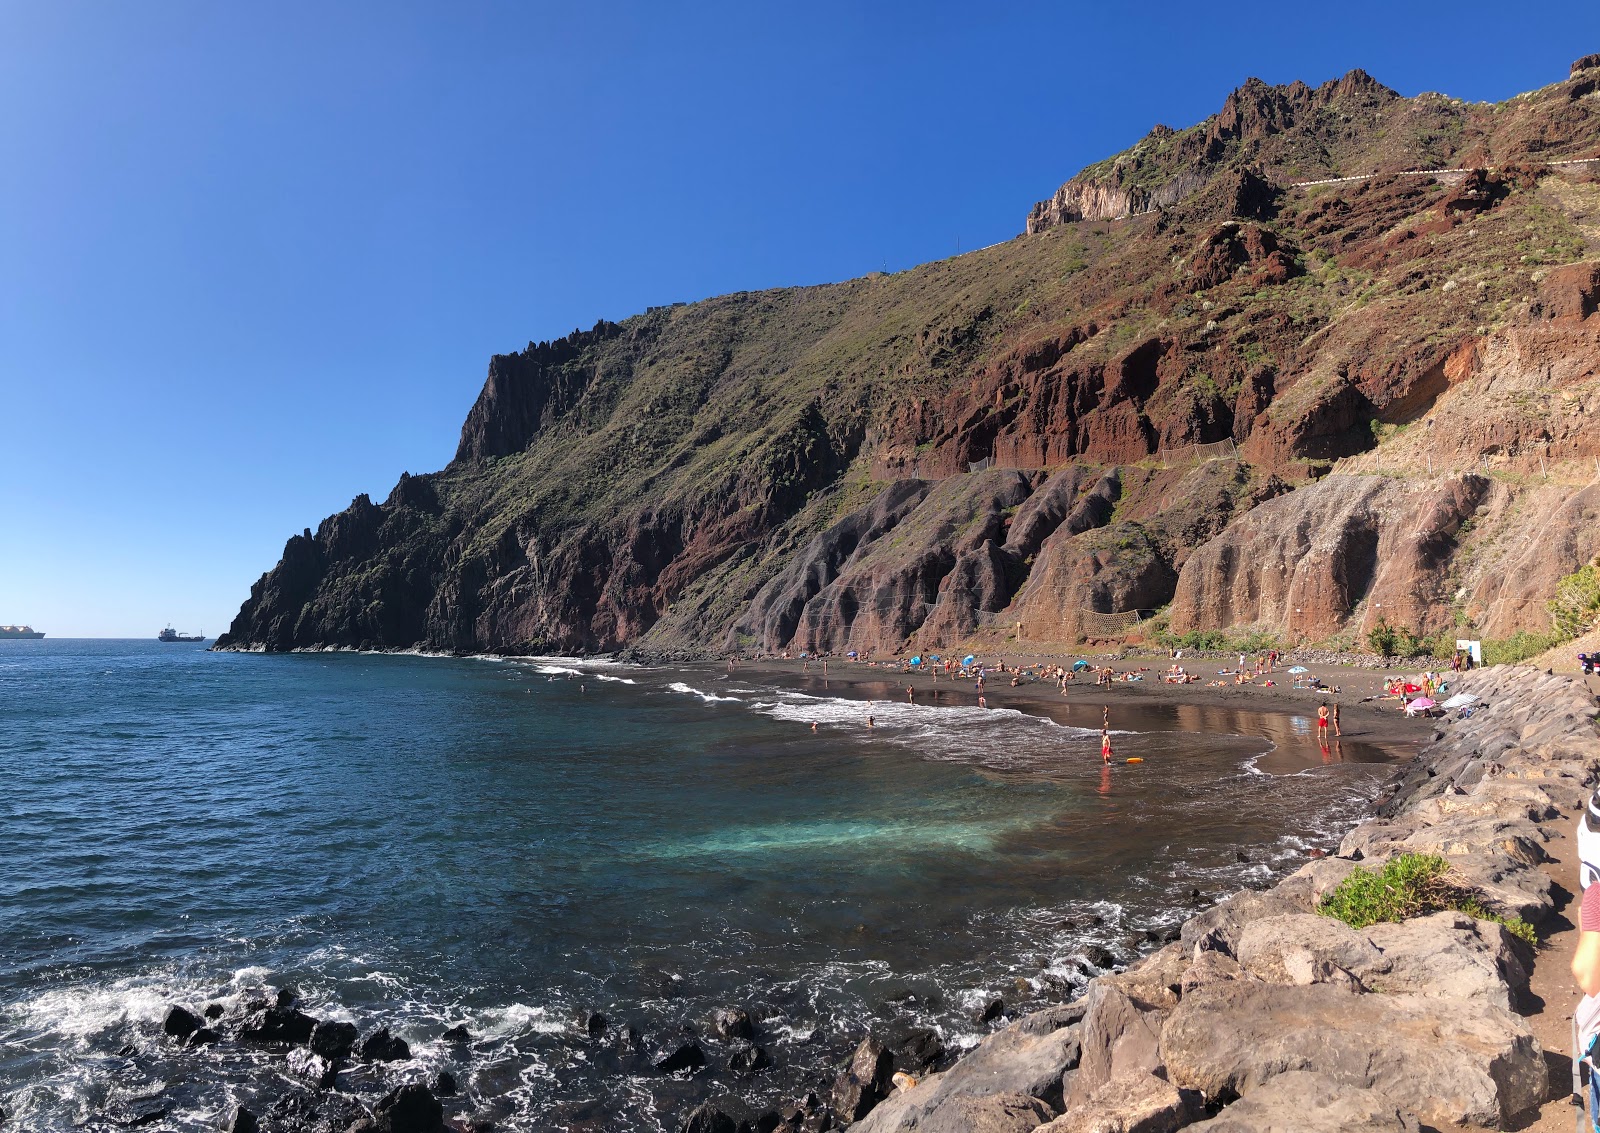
(444, 1084)
(1311, 1103)
(732, 1023)
(457, 1034)
(381, 1046)
(864, 1082)
(708, 1117)
(990, 1011)
(921, 1048)
(1100, 956)
(1473, 1063)
(205, 1036)
(409, 1109)
(593, 1023)
(749, 1060)
(277, 1026)
(333, 1040)
(1134, 1103)
(629, 1037)
(243, 1121)
(314, 1068)
(180, 1022)
(214, 1011)
(687, 1055)
(286, 997)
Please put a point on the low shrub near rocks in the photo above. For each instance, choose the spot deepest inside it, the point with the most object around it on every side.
(1409, 885)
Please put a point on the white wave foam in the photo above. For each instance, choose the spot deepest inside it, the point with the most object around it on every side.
(708, 697)
(82, 1012)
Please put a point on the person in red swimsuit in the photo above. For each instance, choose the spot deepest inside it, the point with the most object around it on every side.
(1105, 745)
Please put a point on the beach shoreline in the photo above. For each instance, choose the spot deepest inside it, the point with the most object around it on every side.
(1378, 724)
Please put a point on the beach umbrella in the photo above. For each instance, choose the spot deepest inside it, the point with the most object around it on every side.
(1079, 665)
(933, 657)
(1460, 700)
(852, 654)
(1421, 702)
(917, 660)
(1299, 669)
(968, 659)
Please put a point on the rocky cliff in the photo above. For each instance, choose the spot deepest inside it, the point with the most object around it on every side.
(1192, 382)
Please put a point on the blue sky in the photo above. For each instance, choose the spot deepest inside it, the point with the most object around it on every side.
(254, 258)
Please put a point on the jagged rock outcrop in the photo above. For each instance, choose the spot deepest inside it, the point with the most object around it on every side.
(1301, 563)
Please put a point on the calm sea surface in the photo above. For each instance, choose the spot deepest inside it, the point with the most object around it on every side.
(423, 842)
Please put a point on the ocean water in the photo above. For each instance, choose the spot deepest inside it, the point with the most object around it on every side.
(420, 842)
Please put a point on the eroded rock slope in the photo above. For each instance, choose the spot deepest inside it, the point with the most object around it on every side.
(1153, 406)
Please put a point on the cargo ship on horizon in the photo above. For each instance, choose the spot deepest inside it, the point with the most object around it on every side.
(170, 634)
(14, 633)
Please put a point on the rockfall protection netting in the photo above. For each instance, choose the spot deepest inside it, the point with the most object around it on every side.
(979, 466)
(1194, 454)
(1093, 623)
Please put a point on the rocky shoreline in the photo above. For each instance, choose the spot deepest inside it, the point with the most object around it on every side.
(1265, 1015)
(1260, 1013)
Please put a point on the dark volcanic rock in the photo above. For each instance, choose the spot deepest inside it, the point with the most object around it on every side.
(381, 1046)
(444, 1084)
(205, 1036)
(732, 1023)
(709, 1117)
(409, 1109)
(922, 1048)
(243, 1121)
(749, 1060)
(685, 1056)
(180, 1022)
(864, 1082)
(457, 1034)
(333, 1040)
(277, 1025)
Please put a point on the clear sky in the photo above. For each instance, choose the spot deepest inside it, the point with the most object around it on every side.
(254, 257)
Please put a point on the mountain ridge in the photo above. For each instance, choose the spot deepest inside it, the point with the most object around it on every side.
(789, 468)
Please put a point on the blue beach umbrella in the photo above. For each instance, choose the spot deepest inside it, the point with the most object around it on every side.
(1079, 665)
(968, 659)
(1299, 669)
(917, 660)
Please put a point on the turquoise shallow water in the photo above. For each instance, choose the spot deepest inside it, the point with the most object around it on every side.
(424, 841)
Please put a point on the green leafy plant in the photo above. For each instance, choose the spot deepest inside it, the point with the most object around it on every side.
(1382, 638)
(1576, 606)
(1410, 885)
(1518, 647)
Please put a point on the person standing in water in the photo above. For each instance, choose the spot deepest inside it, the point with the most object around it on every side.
(1322, 723)
(1105, 744)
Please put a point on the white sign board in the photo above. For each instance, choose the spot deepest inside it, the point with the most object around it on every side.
(1473, 649)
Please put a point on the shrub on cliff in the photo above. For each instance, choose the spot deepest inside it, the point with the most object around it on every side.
(1409, 885)
(1576, 607)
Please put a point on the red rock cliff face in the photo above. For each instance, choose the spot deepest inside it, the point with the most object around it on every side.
(1139, 403)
